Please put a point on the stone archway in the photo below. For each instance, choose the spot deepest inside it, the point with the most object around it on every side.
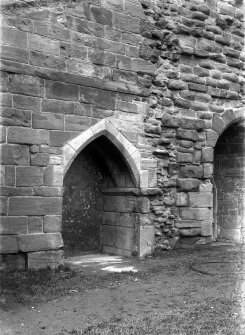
(229, 185)
(102, 203)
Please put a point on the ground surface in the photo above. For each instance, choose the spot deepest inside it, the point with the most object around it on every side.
(186, 292)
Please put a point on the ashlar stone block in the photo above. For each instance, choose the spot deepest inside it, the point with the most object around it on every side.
(207, 228)
(29, 176)
(8, 244)
(52, 223)
(146, 240)
(38, 242)
(11, 154)
(35, 206)
(182, 199)
(187, 184)
(200, 199)
(10, 225)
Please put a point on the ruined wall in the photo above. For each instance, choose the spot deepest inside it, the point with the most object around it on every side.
(198, 49)
(167, 75)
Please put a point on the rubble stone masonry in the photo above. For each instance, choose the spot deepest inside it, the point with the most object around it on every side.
(162, 80)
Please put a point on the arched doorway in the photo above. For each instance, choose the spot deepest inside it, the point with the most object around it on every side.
(229, 194)
(102, 202)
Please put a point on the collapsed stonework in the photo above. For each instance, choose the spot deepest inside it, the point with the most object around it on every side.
(122, 127)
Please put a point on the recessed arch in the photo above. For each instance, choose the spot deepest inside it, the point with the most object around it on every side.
(105, 127)
(221, 122)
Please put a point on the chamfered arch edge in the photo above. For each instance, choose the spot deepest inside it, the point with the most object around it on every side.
(105, 127)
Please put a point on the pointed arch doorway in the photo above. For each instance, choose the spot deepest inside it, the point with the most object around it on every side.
(100, 207)
(229, 184)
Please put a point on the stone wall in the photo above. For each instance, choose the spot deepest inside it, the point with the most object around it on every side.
(167, 78)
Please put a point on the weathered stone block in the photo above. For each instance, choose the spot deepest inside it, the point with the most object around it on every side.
(29, 176)
(111, 46)
(184, 157)
(44, 44)
(200, 199)
(208, 170)
(188, 184)
(35, 206)
(101, 15)
(218, 124)
(40, 159)
(199, 214)
(191, 171)
(100, 98)
(14, 37)
(142, 66)
(126, 23)
(35, 224)
(28, 136)
(10, 225)
(142, 205)
(61, 91)
(123, 238)
(177, 84)
(37, 242)
(26, 102)
(28, 85)
(187, 134)
(102, 58)
(58, 138)
(13, 54)
(16, 191)
(53, 176)
(146, 240)
(42, 259)
(43, 60)
(2, 133)
(182, 199)
(57, 106)
(48, 121)
(188, 224)
(8, 244)
(207, 154)
(14, 154)
(206, 187)
(134, 9)
(15, 117)
(3, 205)
(46, 191)
(212, 137)
(52, 223)
(78, 123)
(207, 228)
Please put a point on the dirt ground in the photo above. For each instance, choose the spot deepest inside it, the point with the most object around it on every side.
(177, 281)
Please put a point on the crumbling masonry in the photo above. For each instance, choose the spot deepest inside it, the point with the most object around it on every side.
(122, 127)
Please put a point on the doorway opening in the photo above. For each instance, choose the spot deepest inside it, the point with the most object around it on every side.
(229, 193)
(98, 191)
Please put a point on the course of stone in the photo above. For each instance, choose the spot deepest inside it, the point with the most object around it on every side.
(160, 80)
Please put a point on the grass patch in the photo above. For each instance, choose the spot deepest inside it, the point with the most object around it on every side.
(37, 286)
(192, 319)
